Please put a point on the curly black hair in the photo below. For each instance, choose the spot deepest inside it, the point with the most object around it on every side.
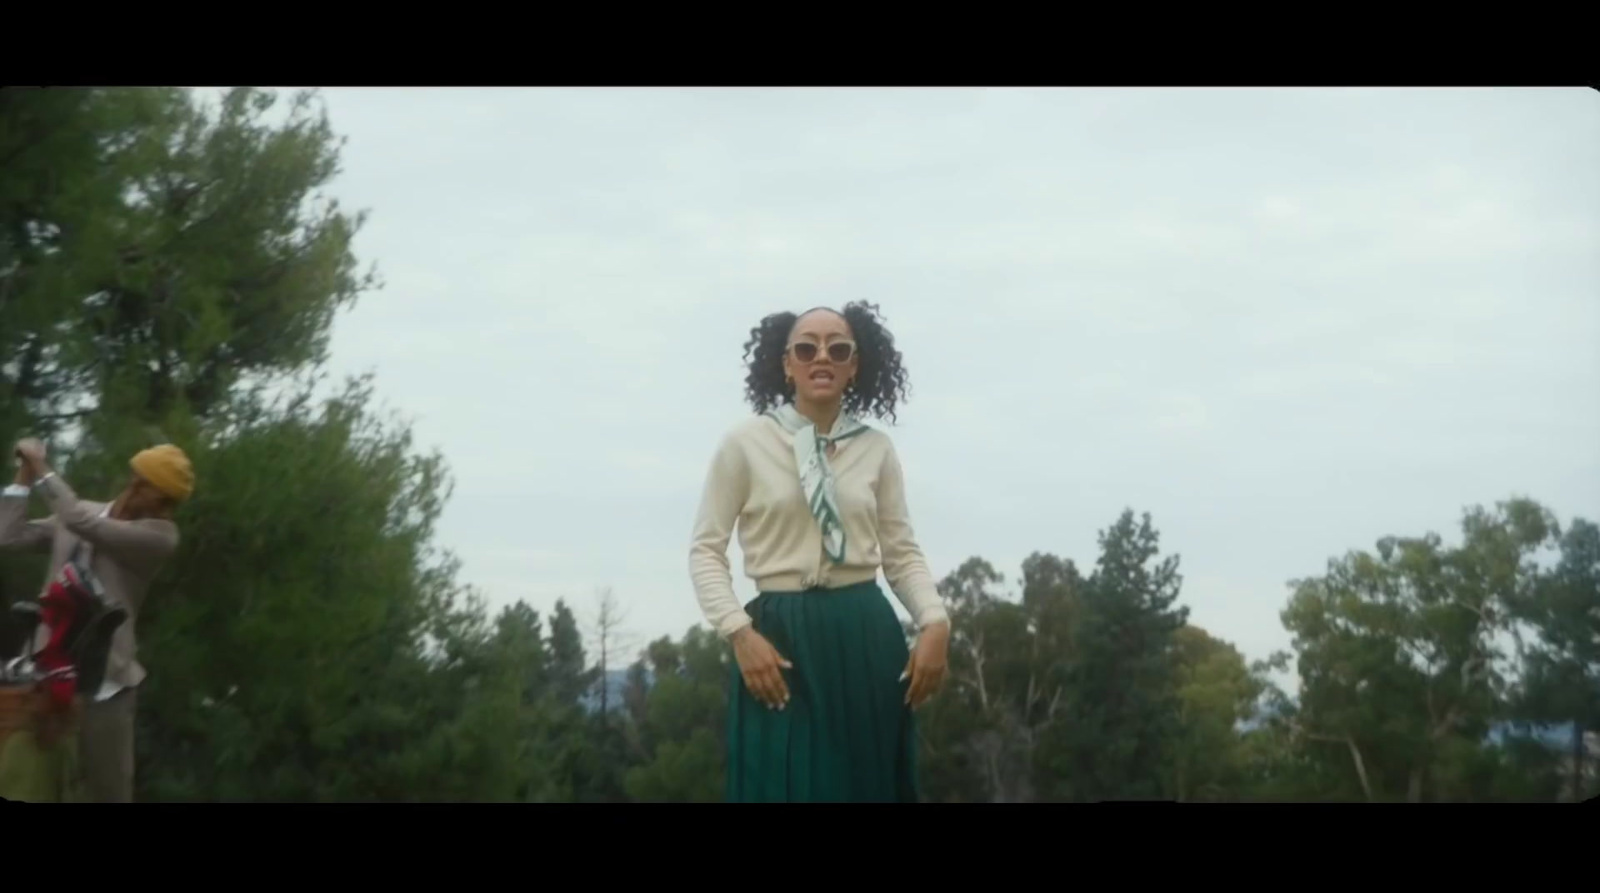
(880, 386)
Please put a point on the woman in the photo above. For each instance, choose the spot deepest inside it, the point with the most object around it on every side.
(821, 706)
(125, 544)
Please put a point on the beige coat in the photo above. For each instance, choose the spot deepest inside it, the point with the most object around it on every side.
(126, 557)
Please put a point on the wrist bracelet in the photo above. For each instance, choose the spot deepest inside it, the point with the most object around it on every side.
(40, 481)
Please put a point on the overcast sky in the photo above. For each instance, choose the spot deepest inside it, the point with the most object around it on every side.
(1285, 322)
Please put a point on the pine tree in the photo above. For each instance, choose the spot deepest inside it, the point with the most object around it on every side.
(1114, 742)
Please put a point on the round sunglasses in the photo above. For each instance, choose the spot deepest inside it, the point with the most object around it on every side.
(838, 352)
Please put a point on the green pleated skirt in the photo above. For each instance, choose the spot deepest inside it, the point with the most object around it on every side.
(847, 735)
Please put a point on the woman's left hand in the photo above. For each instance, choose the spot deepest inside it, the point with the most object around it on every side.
(927, 665)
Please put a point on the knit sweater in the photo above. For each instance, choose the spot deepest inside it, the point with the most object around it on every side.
(754, 484)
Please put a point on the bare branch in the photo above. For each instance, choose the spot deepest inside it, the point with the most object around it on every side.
(608, 639)
(67, 416)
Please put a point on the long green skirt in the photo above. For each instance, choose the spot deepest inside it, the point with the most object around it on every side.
(847, 735)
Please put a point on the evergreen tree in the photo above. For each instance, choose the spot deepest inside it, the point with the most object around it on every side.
(1115, 742)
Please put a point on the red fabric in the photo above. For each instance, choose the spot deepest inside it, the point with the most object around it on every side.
(61, 613)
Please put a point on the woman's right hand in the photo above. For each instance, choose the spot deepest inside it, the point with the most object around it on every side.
(761, 666)
(30, 453)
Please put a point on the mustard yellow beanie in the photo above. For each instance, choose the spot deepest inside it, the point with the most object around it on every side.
(167, 469)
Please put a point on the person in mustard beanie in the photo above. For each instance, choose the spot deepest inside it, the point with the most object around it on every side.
(123, 544)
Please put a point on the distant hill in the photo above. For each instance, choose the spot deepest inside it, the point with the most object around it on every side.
(615, 681)
(1556, 737)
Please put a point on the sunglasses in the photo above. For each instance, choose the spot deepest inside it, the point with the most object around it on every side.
(838, 351)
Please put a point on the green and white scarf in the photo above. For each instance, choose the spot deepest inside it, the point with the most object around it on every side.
(816, 475)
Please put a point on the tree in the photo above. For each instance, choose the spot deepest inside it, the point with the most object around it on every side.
(1008, 663)
(1217, 694)
(678, 698)
(1123, 711)
(963, 755)
(1561, 673)
(161, 252)
(519, 636)
(590, 753)
(230, 262)
(609, 639)
(166, 265)
(285, 644)
(570, 675)
(61, 171)
(1397, 657)
(66, 157)
(153, 255)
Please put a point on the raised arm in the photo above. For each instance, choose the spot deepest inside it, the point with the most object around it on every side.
(17, 533)
(726, 488)
(143, 543)
(903, 563)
